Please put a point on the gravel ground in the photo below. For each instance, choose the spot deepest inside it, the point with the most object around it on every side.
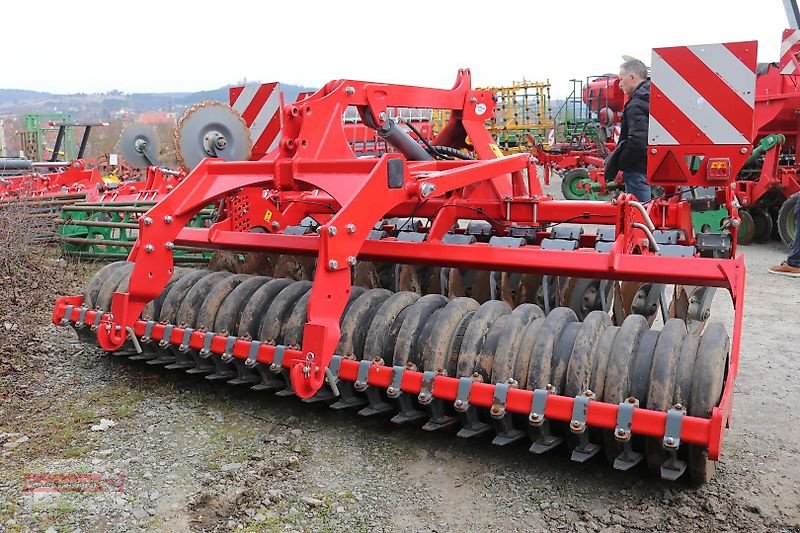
(185, 454)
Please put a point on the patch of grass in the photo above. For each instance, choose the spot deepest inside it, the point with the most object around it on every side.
(235, 440)
(61, 429)
(55, 513)
(8, 511)
(73, 452)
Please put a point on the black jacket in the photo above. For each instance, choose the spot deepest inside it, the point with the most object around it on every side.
(631, 151)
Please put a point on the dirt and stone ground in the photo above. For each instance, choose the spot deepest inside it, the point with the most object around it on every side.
(188, 455)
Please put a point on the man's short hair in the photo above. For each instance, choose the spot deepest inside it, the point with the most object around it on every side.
(634, 66)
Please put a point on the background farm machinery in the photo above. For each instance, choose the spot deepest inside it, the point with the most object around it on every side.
(766, 188)
(434, 288)
(586, 127)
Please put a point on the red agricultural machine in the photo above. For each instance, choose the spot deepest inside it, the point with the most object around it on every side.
(590, 137)
(453, 292)
(768, 184)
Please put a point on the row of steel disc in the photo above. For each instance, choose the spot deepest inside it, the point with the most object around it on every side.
(459, 337)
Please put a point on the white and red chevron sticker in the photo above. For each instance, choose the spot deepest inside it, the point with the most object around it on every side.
(260, 108)
(703, 94)
(790, 47)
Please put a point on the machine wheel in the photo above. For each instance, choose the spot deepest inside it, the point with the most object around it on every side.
(570, 182)
(746, 228)
(762, 223)
(582, 295)
(787, 222)
(707, 382)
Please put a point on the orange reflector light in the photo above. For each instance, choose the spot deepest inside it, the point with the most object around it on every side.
(719, 169)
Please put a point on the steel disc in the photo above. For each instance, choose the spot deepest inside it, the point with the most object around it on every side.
(211, 129)
(134, 140)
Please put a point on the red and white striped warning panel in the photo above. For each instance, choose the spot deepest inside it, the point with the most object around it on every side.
(260, 108)
(703, 94)
(790, 47)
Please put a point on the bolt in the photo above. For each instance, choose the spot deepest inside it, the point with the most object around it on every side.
(383, 116)
(220, 142)
(168, 219)
(331, 230)
(351, 261)
(148, 221)
(669, 441)
(351, 228)
(653, 151)
(149, 248)
(333, 264)
(276, 224)
(743, 150)
(170, 245)
(459, 404)
(350, 90)
(473, 100)
(391, 391)
(427, 189)
(576, 425)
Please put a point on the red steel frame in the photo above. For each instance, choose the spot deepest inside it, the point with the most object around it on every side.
(314, 172)
(74, 178)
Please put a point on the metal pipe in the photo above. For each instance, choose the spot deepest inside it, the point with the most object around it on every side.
(643, 211)
(51, 164)
(402, 141)
(15, 164)
(650, 236)
(59, 141)
(84, 142)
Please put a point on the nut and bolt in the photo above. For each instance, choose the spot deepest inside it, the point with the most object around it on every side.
(427, 189)
(350, 90)
(351, 228)
(653, 151)
(332, 230)
(333, 264)
(168, 219)
(669, 441)
(459, 404)
(149, 248)
(170, 245)
(743, 150)
(148, 221)
(351, 260)
(276, 224)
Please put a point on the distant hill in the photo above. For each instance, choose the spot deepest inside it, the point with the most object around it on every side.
(103, 106)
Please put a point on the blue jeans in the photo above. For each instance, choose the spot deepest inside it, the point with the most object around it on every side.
(636, 184)
(794, 253)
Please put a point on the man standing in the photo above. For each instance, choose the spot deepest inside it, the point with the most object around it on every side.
(630, 155)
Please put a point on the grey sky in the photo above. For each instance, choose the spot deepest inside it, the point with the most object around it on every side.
(149, 45)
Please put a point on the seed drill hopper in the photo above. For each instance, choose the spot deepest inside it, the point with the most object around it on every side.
(464, 322)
